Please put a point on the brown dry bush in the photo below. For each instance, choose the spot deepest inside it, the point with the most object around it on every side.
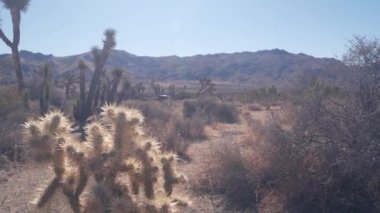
(323, 154)
(154, 110)
(327, 161)
(157, 114)
(254, 107)
(230, 171)
(190, 128)
(320, 164)
(175, 130)
(238, 171)
(180, 132)
(211, 110)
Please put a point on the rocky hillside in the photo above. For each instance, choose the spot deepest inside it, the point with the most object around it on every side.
(259, 68)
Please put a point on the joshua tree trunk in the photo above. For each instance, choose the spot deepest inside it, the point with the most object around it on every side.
(114, 85)
(17, 64)
(100, 60)
(16, 17)
(82, 89)
(45, 91)
(124, 91)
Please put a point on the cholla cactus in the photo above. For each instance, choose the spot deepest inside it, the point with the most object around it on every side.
(170, 178)
(124, 162)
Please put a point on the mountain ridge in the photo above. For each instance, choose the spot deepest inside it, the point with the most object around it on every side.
(261, 68)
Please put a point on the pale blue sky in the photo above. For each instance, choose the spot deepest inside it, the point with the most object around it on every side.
(187, 27)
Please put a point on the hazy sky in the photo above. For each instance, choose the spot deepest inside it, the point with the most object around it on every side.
(188, 27)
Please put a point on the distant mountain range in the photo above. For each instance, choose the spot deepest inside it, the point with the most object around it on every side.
(261, 68)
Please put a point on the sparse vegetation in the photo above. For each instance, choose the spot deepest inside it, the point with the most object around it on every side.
(319, 154)
(268, 131)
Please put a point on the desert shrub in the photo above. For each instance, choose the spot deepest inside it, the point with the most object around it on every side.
(254, 107)
(154, 111)
(116, 148)
(180, 132)
(161, 115)
(326, 162)
(176, 131)
(12, 114)
(173, 141)
(237, 172)
(226, 114)
(320, 155)
(229, 171)
(211, 111)
(190, 128)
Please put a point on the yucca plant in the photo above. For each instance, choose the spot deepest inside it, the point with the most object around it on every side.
(130, 172)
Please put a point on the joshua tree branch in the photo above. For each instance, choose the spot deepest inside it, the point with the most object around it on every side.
(5, 39)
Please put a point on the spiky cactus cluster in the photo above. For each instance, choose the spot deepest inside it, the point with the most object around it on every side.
(130, 172)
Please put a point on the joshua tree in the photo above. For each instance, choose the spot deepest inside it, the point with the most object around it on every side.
(138, 90)
(124, 90)
(45, 89)
(178, 93)
(157, 88)
(114, 85)
(101, 57)
(15, 7)
(116, 149)
(68, 84)
(207, 87)
(79, 108)
(89, 101)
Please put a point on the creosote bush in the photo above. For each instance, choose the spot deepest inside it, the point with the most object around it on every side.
(130, 172)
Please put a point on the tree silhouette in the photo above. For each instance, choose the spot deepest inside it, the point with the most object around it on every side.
(15, 7)
(100, 57)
